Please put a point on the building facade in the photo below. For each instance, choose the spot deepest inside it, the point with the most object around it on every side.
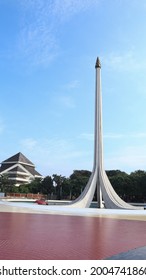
(19, 169)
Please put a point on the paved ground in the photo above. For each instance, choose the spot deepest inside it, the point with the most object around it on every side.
(63, 234)
(135, 254)
(38, 236)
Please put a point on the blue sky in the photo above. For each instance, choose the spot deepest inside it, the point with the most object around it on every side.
(48, 51)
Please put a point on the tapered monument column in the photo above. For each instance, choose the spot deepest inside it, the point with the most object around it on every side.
(98, 129)
(98, 179)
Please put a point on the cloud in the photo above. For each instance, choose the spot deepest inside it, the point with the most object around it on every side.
(127, 159)
(40, 21)
(29, 143)
(38, 45)
(114, 136)
(125, 135)
(37, 41)
(138, 135)
(87, 136)
(71, 85)
(55, 155)
(66, 101)
(90, 136)
(124, 61)
(67, 8)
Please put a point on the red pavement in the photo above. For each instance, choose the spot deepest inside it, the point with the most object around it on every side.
(26, 236)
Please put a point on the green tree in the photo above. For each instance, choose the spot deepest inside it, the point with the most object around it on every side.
(58, 181)
(78, 181)
(35, 186)
(25, 188)
(47, 185)
(5, 183)
(117, 172)
(66, 189)
(138, 179)
(121, 183)
(131, 188)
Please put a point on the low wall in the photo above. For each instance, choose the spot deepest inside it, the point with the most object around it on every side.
(26, 195)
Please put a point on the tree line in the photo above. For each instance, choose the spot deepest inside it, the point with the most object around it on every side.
(130, 187)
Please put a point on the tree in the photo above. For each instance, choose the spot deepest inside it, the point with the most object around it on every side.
(78, 181)
(121, 183)
(5, 183)
(66, 189)
(25, 188)
(47, 185)
(131, 188)
(58, 181)
(138, 179)
(117, 172)
(35, 186)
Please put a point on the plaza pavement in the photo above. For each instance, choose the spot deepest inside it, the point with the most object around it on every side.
(33, 232)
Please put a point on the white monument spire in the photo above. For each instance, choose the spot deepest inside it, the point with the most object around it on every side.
(98, 179)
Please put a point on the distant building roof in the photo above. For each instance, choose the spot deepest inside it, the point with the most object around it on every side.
(19, 157)
(19, 165)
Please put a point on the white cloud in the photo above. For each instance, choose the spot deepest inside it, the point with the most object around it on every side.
(127, 159)
(40, 22)
(138, 135)
(114, 136)
(71, 85)
(87, 136)
(55, 155)
(124, 61)
(66, 101)
(90, 136)
(125, 135)
(66, 8)
(37, 41)
(29, 143)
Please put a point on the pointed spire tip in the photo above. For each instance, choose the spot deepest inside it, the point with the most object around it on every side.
(98, 64)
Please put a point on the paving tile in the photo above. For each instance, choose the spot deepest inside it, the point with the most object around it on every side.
(49, 237)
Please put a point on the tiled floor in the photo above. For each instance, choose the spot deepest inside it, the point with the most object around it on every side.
(34, 236)
(134, 254)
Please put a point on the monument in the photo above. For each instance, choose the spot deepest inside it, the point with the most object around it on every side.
(106, 195)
